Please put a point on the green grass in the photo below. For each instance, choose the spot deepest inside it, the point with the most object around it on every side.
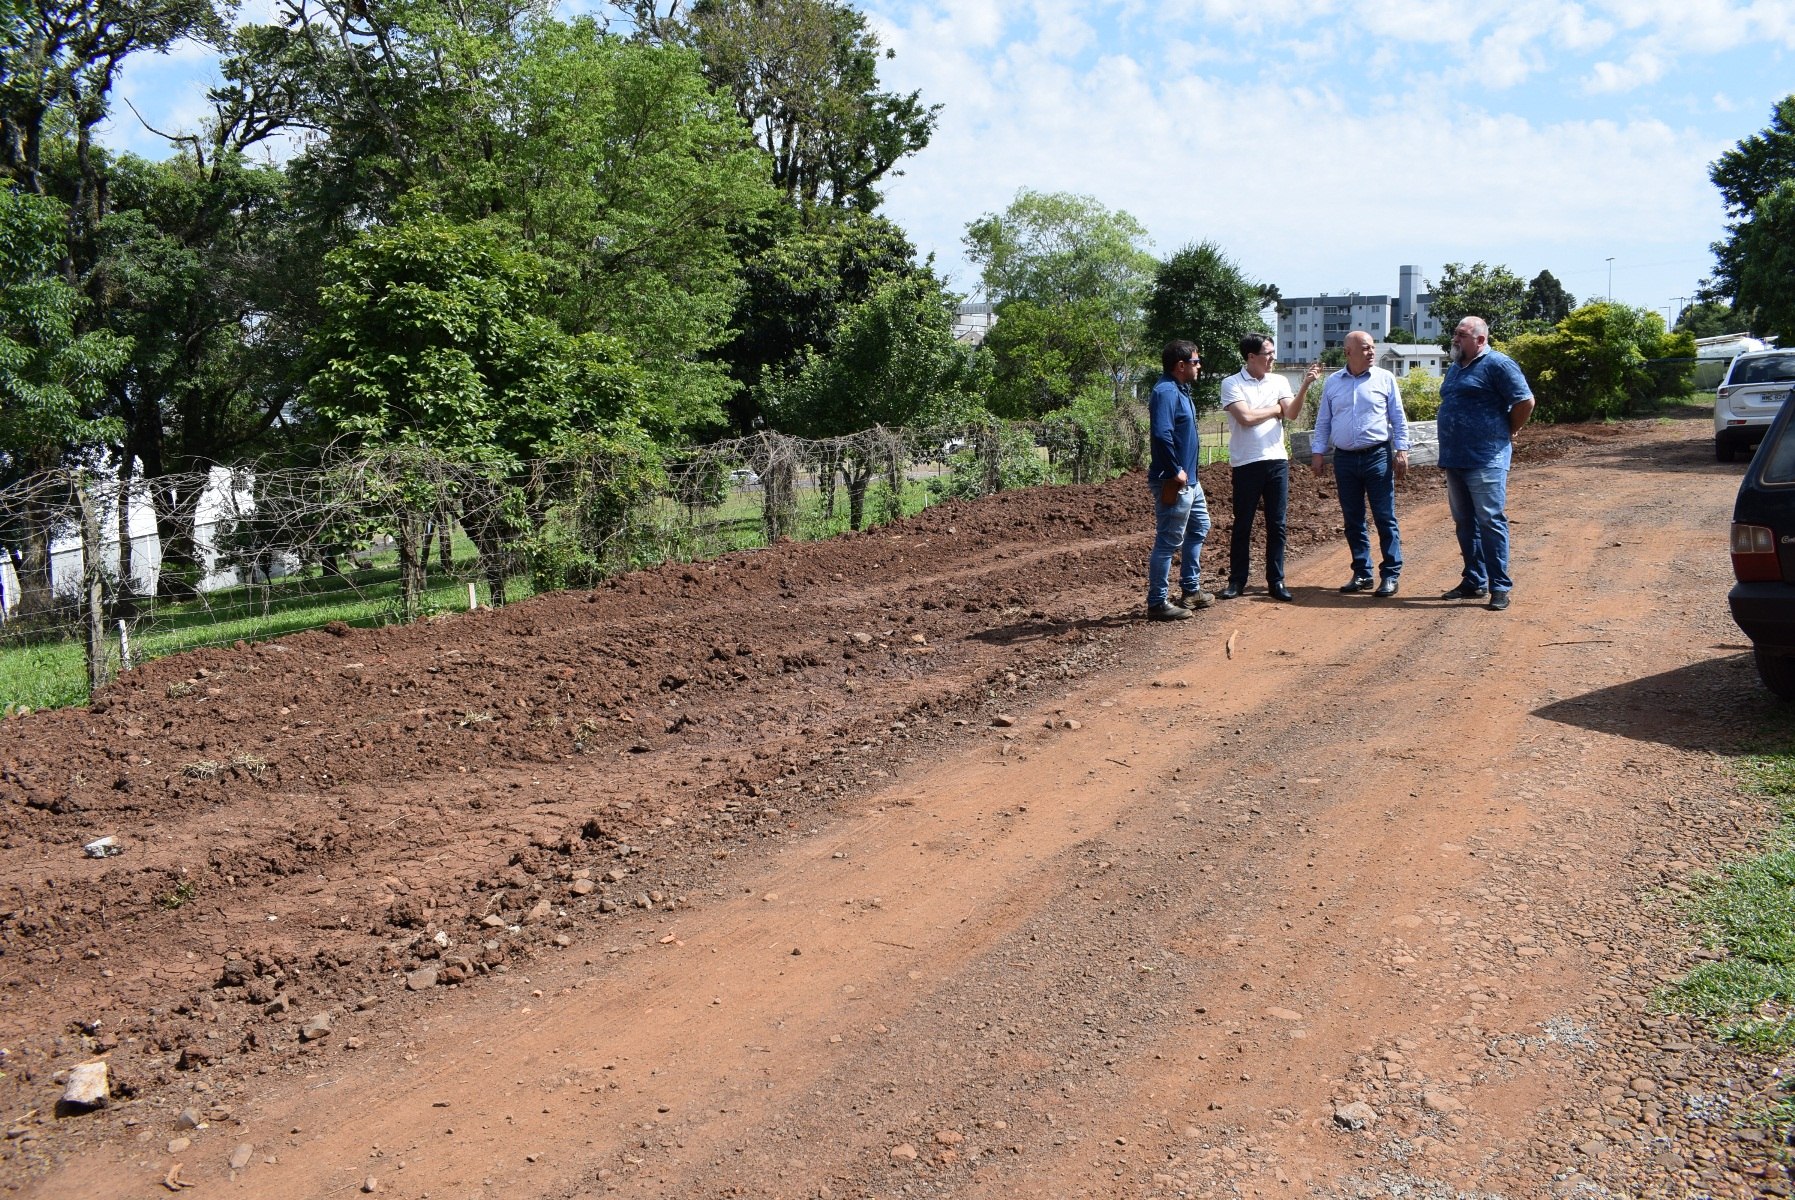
(53, 674)
(1747, 912)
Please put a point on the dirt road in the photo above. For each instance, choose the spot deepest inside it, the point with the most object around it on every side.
(913, 864)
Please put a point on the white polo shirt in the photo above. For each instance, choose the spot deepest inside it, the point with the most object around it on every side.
(1254, 443)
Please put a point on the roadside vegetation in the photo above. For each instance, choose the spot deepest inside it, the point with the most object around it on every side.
(1746, 912)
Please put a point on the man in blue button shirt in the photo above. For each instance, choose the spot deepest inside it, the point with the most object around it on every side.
(1181, 514)
(1360, 419)
(1484, 402)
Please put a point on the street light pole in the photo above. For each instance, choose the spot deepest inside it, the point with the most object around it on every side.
(1611, 278)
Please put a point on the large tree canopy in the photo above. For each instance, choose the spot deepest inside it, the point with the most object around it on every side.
(433, 335)
(1747, 176)
(614, 161)
(52, 377)
(1070, 278)
(805, 77)
(1547, 301)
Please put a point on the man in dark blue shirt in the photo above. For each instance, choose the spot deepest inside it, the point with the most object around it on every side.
(1484, 401)
(1181, 514)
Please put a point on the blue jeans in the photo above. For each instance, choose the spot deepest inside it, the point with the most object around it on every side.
(1369, 477)
(1267, 480)
(1183, 523)
(1476, 497)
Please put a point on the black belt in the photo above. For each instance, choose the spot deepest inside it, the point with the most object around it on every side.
(1383, 445)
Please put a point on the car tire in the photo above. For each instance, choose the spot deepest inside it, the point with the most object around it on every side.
(1723, 451)
(1777, 671)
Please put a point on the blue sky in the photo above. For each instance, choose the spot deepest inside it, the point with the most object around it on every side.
(1321, 144)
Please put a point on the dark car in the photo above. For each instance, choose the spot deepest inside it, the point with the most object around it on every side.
(1763, 546)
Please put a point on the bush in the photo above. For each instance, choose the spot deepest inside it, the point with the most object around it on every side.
(1601, 361)
(1420, 395)
(1001, 457)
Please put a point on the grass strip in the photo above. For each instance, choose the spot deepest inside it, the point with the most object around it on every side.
(1746, 911)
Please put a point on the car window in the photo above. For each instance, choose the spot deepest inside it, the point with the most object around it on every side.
(1779, 457)
(1771, 368)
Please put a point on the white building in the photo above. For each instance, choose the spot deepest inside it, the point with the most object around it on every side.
(1399, 358)
(1308, 325)
(972, 322)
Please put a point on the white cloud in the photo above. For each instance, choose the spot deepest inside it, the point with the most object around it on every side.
(1641, 68)
(1311, 186)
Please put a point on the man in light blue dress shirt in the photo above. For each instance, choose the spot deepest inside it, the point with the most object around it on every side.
(1360, 419)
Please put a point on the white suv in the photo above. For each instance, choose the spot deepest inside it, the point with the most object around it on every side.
(1748, 399)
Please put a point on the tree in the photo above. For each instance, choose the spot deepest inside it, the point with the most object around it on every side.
(1084, 274)
(804, 74)
(57, 68)
(802, 272)
(435, 333)
(1055, 247)
(1547, 301)
(1745, 176)
(1047, 357)
(1603, 360)
(1710, 318)
(1494, 293)
(200, 266)
(52, 377)
(615, 162)
(436, 337)
(1766, 265)
(1200, 294)
(893, 362)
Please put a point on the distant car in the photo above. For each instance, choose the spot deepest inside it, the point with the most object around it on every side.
(1763, 549)
(743, 477)
(953, 445)
(1748, 398)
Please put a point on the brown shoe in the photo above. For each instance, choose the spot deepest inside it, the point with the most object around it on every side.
(1197, 599)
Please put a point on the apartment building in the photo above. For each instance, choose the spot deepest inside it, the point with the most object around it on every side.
(1308, 325)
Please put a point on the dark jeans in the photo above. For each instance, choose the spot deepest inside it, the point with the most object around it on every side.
(1369, 477)
(1269, 481)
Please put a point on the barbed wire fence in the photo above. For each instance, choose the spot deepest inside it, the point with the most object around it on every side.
(99, 573)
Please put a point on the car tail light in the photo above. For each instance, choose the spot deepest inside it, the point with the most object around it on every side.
(1754, 554)
(1724, 392)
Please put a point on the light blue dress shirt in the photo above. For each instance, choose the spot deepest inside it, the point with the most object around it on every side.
(1360, 411)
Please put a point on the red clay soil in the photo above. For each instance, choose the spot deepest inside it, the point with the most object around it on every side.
(377, 833)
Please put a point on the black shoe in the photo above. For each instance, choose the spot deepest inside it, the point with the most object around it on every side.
(1231, 591)
(1165, 610)
(1464, 591)
(1279, 592)
(1498, 601)
(1360, 583)
(1386, 587)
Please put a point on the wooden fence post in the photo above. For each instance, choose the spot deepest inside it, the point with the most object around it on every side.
(93, 590)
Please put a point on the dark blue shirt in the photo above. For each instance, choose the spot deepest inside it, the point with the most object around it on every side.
(1174, 432)
(1473, 418)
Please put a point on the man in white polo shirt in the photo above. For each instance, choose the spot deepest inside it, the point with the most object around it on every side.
(1258, 403)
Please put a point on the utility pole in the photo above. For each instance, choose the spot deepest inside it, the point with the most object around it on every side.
(1677, 303)
(1611, 278)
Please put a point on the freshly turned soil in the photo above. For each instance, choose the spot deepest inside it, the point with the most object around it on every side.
(918, 862)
